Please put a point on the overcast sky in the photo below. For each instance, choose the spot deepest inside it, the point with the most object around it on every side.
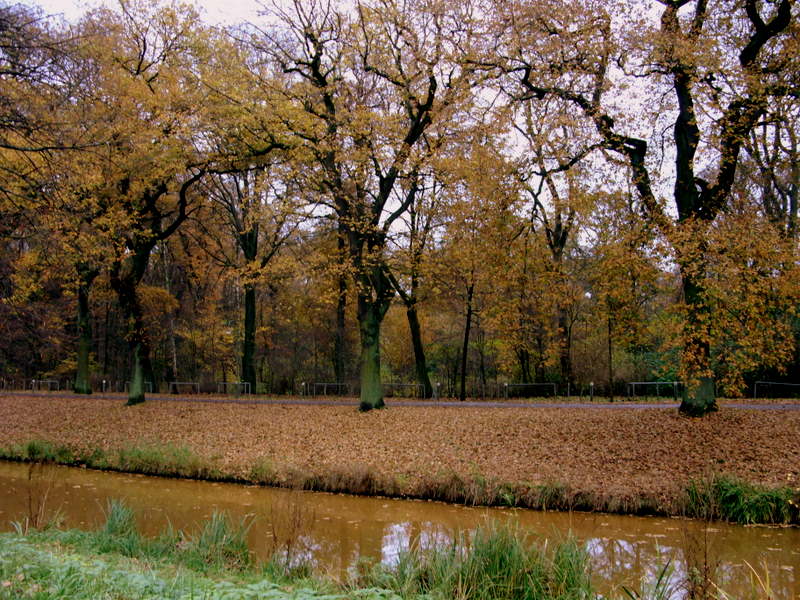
(214, 11)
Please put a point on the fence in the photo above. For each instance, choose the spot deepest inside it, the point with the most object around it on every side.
(661, 389)
(191, 387)
(47, 385)
(148, 387)
(239, 387)
(775, 389)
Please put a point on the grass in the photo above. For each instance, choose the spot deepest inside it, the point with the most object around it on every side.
(41, 451)
(219, 545)
(165, 459)
(659, 589)
(116, 561)
(722, 497)
(497, 563)
(718, 497)
(47, 569)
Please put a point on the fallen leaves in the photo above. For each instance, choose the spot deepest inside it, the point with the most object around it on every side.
(623, 452)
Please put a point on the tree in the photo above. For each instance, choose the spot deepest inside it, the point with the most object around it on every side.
(259, 204)
(141, 174)
(772, 165)
(479, 225)
(42, 130)
(363, 92)
(556, 188)
(722, 65)
(623, 274)
(425, 197)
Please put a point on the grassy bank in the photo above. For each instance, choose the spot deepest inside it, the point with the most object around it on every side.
(715, 497)
(116, 561)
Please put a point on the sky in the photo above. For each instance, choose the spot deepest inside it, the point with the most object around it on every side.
(213, 11)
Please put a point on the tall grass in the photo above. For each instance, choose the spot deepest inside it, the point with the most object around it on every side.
(731, 499)
(165, 459)
(220, 544)
(119, 533)
(497, 563)
(40, 451)
(661, 588)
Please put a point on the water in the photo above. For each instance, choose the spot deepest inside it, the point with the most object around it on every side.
(335, 530)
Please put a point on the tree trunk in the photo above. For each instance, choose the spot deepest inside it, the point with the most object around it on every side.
(610, 358)
(698, 396)
(249, 344)
(125, 276)
(524, 358)
(465, 347)
(106, 339)
(420, 363)
(369, 324)
(565, 346)
(137, 389)
(82, 383)
(341, 314)
(171, 371)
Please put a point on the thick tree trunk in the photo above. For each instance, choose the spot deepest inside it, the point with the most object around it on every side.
(699, 396)
(124, 279)
(137, 389)
(82, 383)
(420, 362)
(524, 358)
(465, 346)
(370, 315)
(249, 343)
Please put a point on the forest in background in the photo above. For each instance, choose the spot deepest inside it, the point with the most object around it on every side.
(408, 192)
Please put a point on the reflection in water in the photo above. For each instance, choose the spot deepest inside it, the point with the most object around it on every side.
(335, 530)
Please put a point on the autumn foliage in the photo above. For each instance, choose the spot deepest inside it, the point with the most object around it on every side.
(446, 196)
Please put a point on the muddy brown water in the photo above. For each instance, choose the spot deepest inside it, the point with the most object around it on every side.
(336, 530)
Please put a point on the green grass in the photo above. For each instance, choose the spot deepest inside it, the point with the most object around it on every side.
(40, 451)
(115, 561)
(164, 459)
(218, 545)
(728, 498)
(45, 569)
(497, 563)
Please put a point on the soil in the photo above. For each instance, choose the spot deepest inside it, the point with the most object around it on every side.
(649, 452)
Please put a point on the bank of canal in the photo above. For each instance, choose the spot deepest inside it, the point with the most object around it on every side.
(334, 531)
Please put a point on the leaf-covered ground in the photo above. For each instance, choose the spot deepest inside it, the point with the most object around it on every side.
(619, 453)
